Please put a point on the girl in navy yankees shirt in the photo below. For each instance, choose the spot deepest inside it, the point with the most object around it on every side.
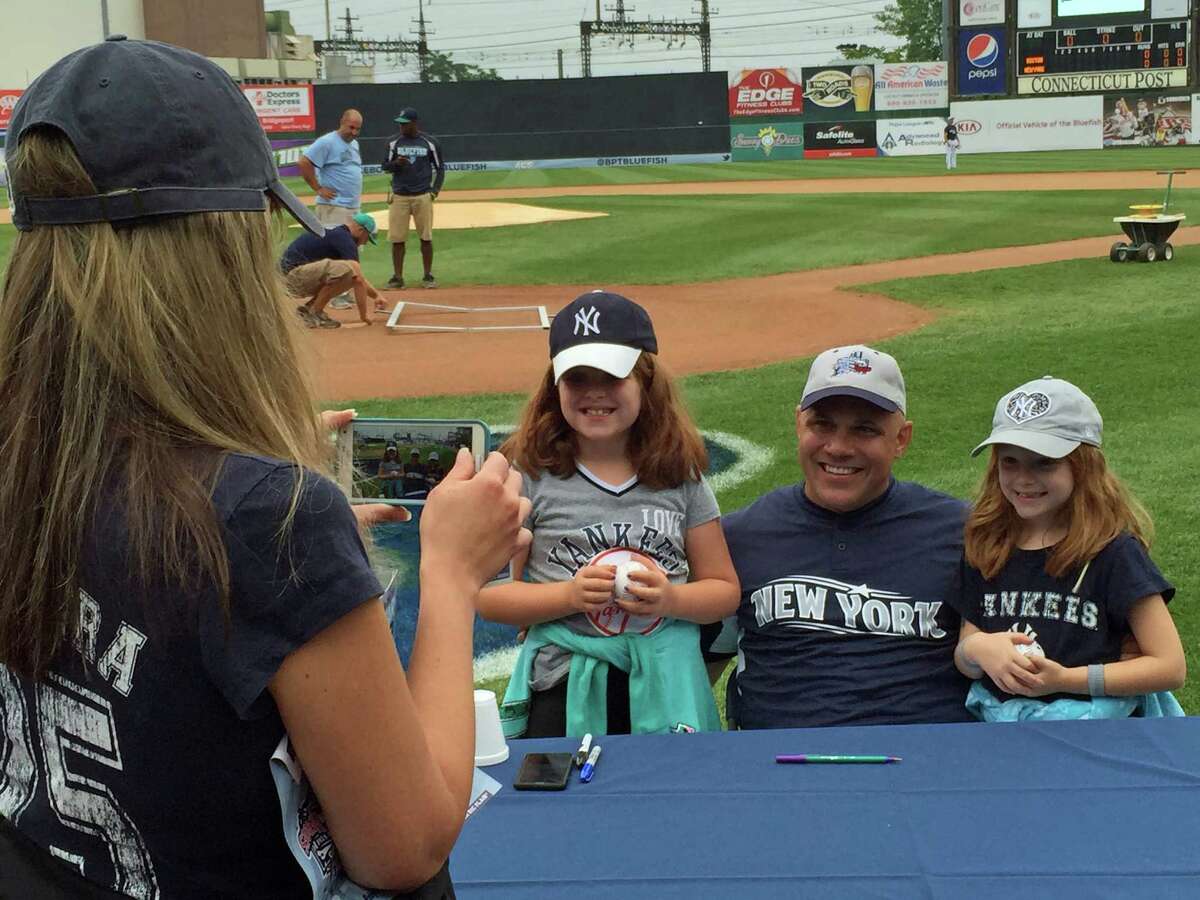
(1057, 575)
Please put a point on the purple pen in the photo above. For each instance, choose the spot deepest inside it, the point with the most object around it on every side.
(817, 758)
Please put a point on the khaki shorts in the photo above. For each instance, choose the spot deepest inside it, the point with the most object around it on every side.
(328, 214)
(306, 280)
(417, 206)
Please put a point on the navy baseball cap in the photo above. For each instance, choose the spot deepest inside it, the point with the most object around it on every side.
(160, 130)
(408, 114)
(603, 330)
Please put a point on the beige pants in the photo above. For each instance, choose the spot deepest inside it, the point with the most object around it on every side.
(418, 207)
(330, 215)
(303, 282)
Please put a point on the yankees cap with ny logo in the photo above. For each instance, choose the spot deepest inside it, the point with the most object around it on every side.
(1048, 416)
(602, 330)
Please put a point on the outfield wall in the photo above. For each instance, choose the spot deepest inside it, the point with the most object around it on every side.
(543, 119)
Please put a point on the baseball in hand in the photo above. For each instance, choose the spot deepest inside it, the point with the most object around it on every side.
(1034, 649)
(621, 589)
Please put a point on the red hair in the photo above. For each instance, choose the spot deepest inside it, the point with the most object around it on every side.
(665, 447)
(1099, 509)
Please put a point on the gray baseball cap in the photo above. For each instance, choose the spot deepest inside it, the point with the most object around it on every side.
(855, 371)
(160, 130)
(1049, 416)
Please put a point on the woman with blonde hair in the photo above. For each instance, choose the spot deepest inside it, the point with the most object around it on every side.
(180, 585)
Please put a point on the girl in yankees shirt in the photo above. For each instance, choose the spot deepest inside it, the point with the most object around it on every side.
(1057, 575)
(613, 467)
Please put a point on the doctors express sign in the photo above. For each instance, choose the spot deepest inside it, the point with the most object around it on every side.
(282, 107)
(765, 92)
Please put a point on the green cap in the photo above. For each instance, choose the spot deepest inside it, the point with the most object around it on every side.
(368, 222)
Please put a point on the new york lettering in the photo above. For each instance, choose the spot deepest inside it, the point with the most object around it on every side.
(805, 602)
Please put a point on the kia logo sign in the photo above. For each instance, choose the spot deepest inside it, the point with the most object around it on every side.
(766, 79)
(968, 126)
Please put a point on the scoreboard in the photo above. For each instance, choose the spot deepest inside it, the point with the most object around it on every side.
(1144, 55)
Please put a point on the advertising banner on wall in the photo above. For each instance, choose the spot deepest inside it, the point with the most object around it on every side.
(998, 126)
(1150, 120)
(910, 137)
(836, 91)
(921, 85)
(835, 140)
(1096, 82)
(282, 107)
(765, 92)
(766, 140)
(981, 58)
(980, 12)
(287, 155)
(8, 99)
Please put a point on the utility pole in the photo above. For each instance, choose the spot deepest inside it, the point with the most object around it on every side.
(624, 28)
(560, 63)
(366, 48)
(422, 44)
(328, 23)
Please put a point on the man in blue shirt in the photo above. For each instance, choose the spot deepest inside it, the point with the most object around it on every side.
(332, 166)
(846, 576)
(415, 162)
(319, 268)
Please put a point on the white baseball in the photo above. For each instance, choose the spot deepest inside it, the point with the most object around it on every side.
(1034, 649)
(622, 579)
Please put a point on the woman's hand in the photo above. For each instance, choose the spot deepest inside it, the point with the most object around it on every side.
(592, 588)
(996, 653)
(471, 524)
(654, 592)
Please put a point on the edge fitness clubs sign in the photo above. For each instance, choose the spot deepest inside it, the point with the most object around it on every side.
(765, 92)
(837, 140)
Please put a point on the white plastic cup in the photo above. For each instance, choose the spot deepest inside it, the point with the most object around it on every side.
(490, 746)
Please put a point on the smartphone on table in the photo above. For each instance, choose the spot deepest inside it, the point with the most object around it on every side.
(544, 772)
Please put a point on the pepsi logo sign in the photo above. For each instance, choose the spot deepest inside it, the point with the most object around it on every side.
(968, 126)
(982, 51)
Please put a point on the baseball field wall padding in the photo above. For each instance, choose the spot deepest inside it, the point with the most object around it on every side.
(544, 118)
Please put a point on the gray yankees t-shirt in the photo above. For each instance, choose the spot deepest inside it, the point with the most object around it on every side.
(576, 518)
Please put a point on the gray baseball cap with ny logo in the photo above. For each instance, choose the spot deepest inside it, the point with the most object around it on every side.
(1049, 416)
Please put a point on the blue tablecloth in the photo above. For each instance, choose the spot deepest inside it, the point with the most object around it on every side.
(1014, 811)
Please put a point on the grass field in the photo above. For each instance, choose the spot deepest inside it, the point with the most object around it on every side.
(1124, 333)
(748, 236)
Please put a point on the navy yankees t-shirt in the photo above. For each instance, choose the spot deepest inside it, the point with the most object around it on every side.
(844, 618)
(1075, 626)
(141, 760)
(338, 243)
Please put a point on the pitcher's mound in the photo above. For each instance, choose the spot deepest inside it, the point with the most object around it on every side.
(491, 215)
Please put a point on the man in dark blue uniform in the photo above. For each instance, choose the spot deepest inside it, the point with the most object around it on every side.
(415, 162)
(846, 576)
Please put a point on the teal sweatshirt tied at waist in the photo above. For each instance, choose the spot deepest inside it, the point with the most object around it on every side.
(668, 684)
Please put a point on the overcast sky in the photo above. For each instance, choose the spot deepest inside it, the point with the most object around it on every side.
(520, 38)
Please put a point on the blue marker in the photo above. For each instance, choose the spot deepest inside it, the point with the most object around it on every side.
(589, 767)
